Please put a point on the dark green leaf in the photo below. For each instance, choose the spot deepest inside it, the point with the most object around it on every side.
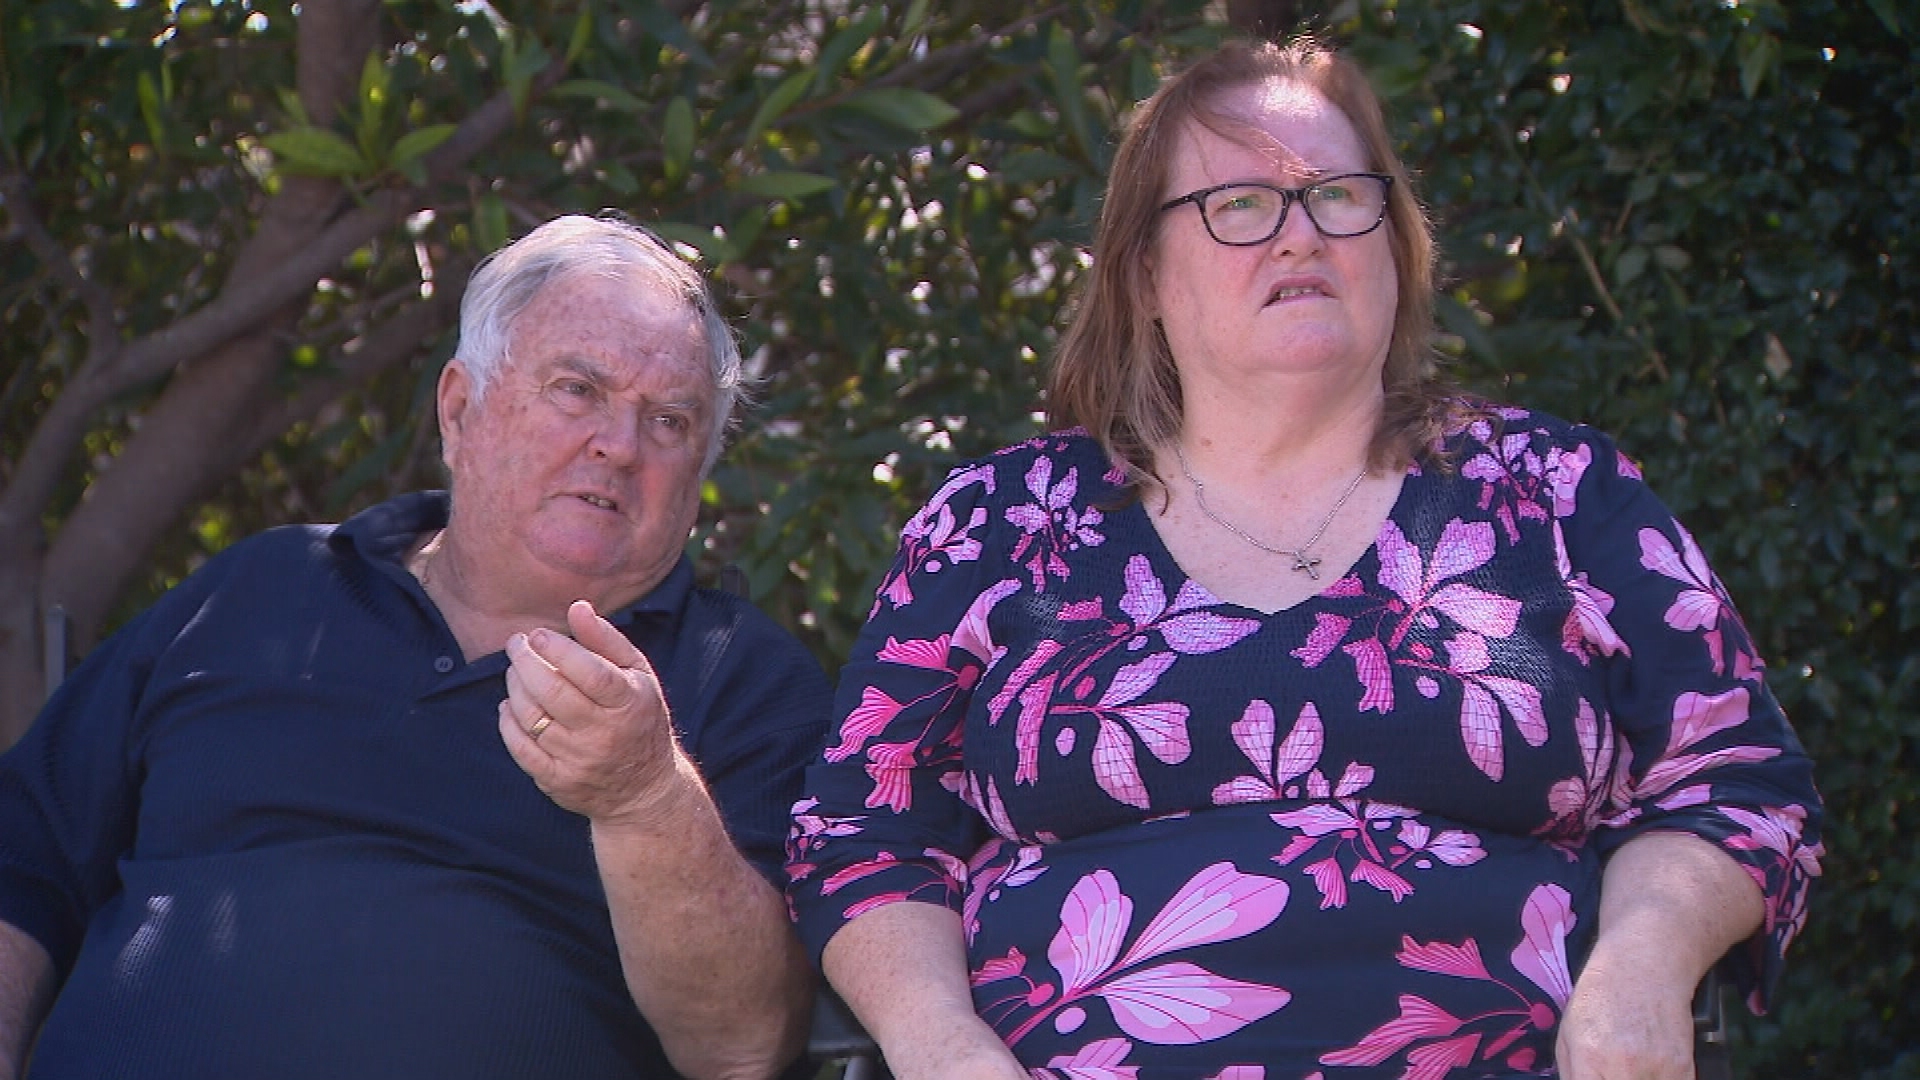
(790, 90)
(676, 136)
(317, 152)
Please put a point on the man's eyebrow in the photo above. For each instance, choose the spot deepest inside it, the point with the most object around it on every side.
(582, 366)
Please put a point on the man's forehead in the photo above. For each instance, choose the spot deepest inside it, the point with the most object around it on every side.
(613, 329)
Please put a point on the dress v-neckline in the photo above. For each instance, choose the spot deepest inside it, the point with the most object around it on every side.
(1371, 551)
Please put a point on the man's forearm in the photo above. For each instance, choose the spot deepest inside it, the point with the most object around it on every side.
(26, 991)
(705, 943)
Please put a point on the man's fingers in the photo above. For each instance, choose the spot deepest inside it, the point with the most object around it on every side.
(601, 636)
(536, 684)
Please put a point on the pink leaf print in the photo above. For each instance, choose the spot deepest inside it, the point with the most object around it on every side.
(1455, 847)
(1375, 673)
(1253, 734)
(1564, 470)
(1026, 733)
(1330, 881)
(916, 653)
(1468, 653)
(1696, 716)
(1043, 653)
(1217, 904)
(1093, 919)
(1693, 609)
(1180, 1003)
(1381, 878)
(1522, 699)
(1317, 820)
(1667, 772)
(1302, 746)
(1203, 632)
(1301, 750)
(1418, 1019)
(875, 711)
(1462, 547)
(1242, 789)
(1461, 961)
(878, 864)
(1480, 729)
(1547, 919)
(1010, 966)
(890, 766)
(1778, 830)
(1241, 1072)
(1100, 1060)
(878, 900)
(988, 805)
(1135, 679)
(1081, 611)
(1588, 628)
(1146, 598)
(972, 635)
(1436, 1060)
(1475, 609)
(1328, 632)
(1192, 595)
(1027, 516)
(1400, 568)
(1114, 768)
(1295, 848)
(1162, 727)
(1352, 779)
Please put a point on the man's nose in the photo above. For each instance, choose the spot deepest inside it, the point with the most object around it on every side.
(617, 436)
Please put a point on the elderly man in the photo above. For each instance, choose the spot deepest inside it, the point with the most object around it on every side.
(475, 784)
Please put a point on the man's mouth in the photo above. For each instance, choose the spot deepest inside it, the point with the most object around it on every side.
(599, 501)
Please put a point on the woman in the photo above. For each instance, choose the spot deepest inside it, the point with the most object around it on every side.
(1283, 715)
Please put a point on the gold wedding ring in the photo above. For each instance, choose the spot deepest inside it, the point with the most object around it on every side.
(540, 726)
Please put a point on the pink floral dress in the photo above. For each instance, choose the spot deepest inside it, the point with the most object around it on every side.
(1359, 837)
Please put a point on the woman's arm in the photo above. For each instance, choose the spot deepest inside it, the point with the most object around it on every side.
(902, 968)
(1671, 904)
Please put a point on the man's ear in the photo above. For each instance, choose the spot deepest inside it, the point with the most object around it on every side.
(453, 401)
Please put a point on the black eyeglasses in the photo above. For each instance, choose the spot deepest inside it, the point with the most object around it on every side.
(1245, 214)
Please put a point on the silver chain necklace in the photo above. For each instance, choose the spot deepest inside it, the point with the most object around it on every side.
(1308, 564)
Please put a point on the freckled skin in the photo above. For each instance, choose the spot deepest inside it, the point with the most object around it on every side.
(606, 393)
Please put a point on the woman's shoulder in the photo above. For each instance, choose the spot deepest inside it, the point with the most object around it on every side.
(1060, 466)
(1523, 439)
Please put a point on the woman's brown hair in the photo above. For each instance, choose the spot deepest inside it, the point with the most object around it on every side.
(1113, 373)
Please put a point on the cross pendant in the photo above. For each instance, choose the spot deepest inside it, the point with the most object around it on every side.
(1306, 562)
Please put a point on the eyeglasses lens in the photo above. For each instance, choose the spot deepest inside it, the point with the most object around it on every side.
(1341, 206)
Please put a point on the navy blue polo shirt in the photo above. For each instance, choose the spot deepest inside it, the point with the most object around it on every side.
(270, 829)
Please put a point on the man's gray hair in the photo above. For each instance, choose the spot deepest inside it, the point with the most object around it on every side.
(506, 281)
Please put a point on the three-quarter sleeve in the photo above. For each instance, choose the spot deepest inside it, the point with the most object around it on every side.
(885, 817)
(1711, 752)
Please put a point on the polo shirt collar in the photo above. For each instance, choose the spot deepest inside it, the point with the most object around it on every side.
(386, 532)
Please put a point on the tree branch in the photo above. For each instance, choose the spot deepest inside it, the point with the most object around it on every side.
(101, 322)
(386, 345)
(242, 304)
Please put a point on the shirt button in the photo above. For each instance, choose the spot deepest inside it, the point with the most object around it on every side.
(443, 664)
